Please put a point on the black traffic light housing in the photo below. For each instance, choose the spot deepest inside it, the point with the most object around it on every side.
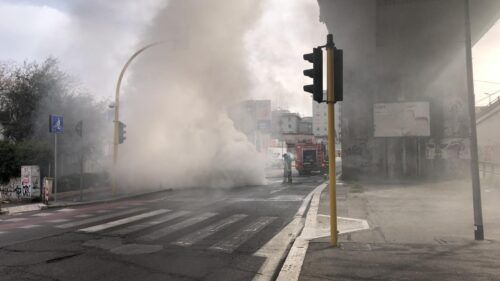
(79, 128)
(316, 73)
(338, 76)
(121, 132)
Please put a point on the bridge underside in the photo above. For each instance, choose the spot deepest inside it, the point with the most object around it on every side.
(405, 51)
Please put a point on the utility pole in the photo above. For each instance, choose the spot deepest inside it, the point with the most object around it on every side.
(474, 165)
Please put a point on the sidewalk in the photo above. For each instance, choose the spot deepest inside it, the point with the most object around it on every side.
(72, 198)
(416, 232)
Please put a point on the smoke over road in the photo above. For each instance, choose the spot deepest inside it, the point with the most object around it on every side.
(174, 105)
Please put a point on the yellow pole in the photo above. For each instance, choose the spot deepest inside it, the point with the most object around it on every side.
(331, 142)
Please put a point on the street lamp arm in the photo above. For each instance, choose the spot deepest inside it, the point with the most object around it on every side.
(122, 73)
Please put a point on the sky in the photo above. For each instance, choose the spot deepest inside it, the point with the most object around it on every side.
(92, 39)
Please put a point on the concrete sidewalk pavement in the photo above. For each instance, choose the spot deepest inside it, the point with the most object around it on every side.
(417, 232)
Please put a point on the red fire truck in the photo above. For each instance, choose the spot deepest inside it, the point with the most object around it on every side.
(311, 157)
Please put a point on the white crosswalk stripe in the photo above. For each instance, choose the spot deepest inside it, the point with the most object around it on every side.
(172, 228)
(104, 226)
(58, 220)
(30, 226)
(144, 225)
(100, 218)
(42, 214)
(209, 230)
(16, 219)
(84, 216)
(66, 210)
(242, 235)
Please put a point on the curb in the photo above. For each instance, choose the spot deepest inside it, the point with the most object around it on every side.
(275, 250)
(41, 206)
(22, 208)
(290, 269)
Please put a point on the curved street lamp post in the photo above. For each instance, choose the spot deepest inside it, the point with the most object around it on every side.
(116, 120)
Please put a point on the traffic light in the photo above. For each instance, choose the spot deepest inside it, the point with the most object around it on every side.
(338, 77)
(79, 128)
(316, 73)
(121, 132)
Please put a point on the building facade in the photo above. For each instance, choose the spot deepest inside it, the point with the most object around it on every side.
(253, 118)
(405, 51)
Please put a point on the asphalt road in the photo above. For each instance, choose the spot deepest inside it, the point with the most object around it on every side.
(195, 234)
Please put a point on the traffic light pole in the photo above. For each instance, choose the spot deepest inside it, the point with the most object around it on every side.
(116, 121)
(331, 139)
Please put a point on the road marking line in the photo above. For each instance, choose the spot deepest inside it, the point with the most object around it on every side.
(42, 214)
(242, 235)
(278, 190)
(207, 231)
(30, 226)
(66, 210)
(275, 250)
(58, 220)
(103, 211)
(144, 225)
(3, 232)
(16, 219)
(84, 216)
(100, 227)
(172, 228)
(136, 203)
(99, 218)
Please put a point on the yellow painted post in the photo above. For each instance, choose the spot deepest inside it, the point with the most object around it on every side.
(331, 140)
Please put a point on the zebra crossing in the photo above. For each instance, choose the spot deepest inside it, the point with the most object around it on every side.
(185, 219)
(153, 226)
(143, 222)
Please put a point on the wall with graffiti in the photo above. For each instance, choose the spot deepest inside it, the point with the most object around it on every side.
(26, 187)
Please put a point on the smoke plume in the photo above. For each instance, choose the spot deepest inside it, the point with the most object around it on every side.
(175, 102)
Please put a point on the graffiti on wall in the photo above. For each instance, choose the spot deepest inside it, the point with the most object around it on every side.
(25, 187)
(12, 190)
(448, 148)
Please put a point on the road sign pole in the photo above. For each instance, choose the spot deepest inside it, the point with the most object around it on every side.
(331, 139)
(55, 167)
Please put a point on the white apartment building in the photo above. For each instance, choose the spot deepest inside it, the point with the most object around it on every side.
(320, 120)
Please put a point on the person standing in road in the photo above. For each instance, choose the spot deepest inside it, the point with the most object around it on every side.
(287, 168)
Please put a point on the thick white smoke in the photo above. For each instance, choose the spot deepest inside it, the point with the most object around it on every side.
(175, 102)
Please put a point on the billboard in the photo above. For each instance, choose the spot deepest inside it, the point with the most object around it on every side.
(401, 119)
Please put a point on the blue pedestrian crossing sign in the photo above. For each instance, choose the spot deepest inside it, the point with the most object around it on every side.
(56, 124)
